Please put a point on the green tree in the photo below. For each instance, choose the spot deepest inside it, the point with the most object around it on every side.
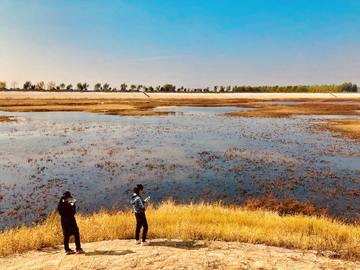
(158, 88)
(123, 87)
(168, 87)
(2, 85)
(69, 87)
(97, 86)
(85, 86)
(106, 87)
(62, 86)
(79, 86)
(151, 89)
(228, 88)
(27, 85)
(132, 87)
(216, 88)
(222, 88)
(138, 88)
(355, 88)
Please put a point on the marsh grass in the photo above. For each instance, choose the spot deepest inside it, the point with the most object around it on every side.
(200, 221)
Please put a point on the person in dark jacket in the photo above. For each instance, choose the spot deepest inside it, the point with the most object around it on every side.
(67, 212)
(139, 208)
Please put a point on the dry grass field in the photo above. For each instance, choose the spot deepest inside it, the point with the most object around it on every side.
(347, 127)
(197, 222)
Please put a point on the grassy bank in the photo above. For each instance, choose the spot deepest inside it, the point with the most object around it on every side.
(196, 221)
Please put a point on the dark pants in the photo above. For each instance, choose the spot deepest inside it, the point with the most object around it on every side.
(77, 240)
(141, 222)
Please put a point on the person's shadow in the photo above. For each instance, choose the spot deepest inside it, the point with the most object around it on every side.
(191, 245)
(108, 252)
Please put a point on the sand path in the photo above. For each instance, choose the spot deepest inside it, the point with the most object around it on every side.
(166, 254)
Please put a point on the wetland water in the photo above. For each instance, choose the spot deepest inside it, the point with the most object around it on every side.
(194, 154)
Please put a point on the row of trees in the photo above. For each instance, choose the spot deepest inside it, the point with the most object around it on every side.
(51, 86)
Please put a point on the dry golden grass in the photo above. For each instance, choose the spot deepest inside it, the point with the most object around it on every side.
(279, 110)
(124, 106)
(139, 104)
(117, 109)
(196, 221)
(6, 119)
(348, 127)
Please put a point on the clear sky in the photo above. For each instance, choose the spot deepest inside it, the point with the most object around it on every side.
(187, 43)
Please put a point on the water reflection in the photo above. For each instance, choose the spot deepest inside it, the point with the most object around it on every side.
(200, 110)
(196, 156)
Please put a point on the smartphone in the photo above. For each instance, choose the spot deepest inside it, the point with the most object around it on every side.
(72, 201)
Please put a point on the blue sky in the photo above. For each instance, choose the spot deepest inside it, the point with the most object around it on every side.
(186, 43)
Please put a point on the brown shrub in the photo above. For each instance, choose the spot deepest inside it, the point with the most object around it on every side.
(285, 206)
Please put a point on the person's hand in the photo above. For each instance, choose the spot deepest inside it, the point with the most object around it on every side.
(146, 200)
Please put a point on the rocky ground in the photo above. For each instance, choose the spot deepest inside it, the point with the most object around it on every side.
(174, 254)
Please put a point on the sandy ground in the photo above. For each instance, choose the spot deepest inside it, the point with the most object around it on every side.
(166, 254)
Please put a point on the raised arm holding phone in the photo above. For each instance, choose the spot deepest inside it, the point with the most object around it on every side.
(139, 207)
(67, 211)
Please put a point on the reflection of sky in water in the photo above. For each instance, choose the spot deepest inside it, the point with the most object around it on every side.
(99, 157)
(200, 110)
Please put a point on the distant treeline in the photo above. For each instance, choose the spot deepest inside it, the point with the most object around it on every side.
(345, 87)
(81, 87)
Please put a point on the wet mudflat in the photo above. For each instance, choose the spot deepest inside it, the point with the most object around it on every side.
(191, 155)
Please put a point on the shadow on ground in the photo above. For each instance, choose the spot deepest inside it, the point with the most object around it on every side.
(109, 252)
(191, 245)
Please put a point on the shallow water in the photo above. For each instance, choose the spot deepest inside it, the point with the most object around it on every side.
(200, 110)
(194, 156)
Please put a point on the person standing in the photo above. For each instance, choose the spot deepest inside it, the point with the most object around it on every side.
(139, 207)
(67, 212)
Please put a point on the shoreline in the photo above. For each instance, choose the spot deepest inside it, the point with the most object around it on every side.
(135, 95)
(139, 104)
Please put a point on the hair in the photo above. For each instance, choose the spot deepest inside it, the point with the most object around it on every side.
(64, 196)
(137, 190)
